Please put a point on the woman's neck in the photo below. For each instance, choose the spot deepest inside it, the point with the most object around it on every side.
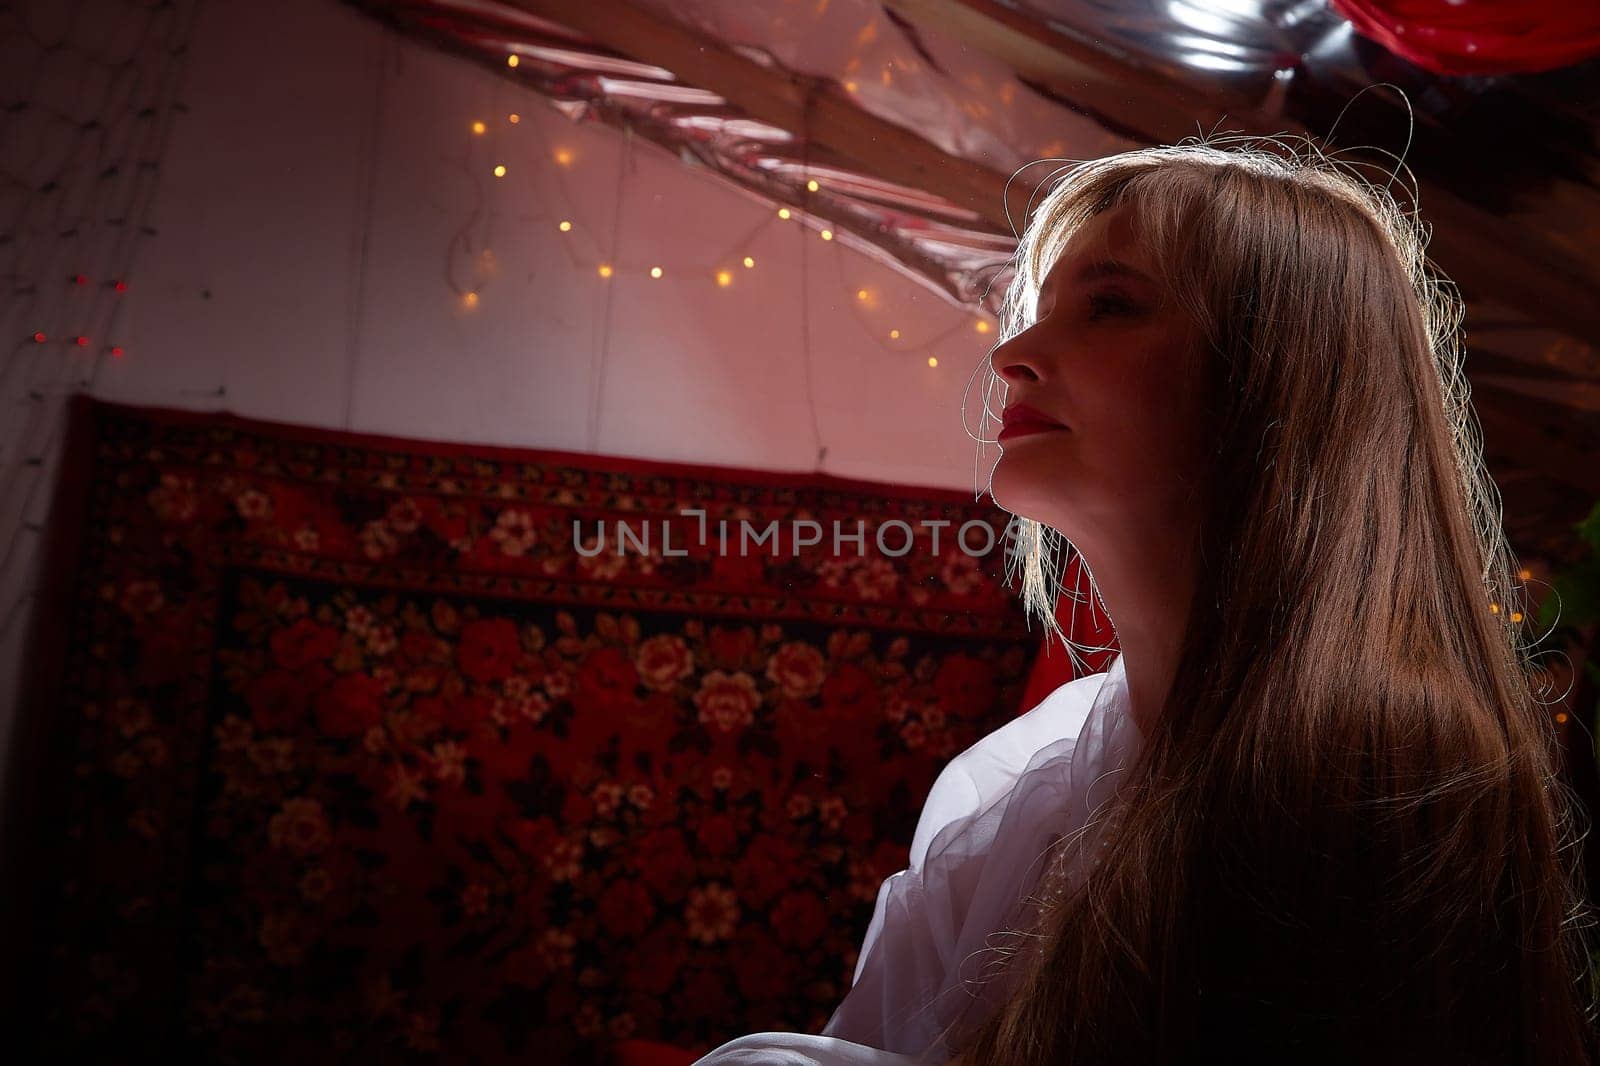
(1148, 594)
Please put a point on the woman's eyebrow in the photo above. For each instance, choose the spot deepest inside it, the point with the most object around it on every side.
(1110, 268)
(1099, 269)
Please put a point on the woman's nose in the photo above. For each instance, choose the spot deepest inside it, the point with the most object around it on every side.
(1013, 362)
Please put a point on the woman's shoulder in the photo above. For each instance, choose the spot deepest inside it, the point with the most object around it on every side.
(986, 771)
(985, 824)
(800, 1049)
(1060, 714)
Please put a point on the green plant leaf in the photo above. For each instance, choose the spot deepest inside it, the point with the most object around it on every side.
(1589, 528)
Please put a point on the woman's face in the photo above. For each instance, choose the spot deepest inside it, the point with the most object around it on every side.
(1114, 373)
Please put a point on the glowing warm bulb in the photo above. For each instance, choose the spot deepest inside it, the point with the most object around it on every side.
(1516, 616)
(933, 360)
(471, 299)
(748, 262)
(861, 294)
(724, 278)
(478, 127)
(1524, 573)
(894, 334)
(1561, 716)
(565, 226)
(783, 212)
(849, 86)
(499, 172)
(1494, 608)
(513, 118)
(655, 272)
(983, 327)
(512, 61)
(812, 185)
(605, 270)
(827, 234)
(563, 156)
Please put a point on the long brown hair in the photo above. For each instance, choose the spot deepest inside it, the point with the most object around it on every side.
(1347, 840)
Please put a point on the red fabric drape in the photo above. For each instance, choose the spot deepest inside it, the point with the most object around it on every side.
(1480, 36)
(338, 747)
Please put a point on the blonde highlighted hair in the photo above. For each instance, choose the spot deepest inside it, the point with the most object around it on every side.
(1347, 839)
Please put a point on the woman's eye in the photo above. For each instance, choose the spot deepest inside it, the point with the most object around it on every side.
(1106, 303)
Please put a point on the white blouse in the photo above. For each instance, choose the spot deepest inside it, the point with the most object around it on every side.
(979, 849)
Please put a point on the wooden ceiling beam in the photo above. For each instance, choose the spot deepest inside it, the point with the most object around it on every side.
(1127, 93)
(839, 128)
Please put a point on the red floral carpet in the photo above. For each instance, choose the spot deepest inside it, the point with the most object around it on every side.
(345, 752)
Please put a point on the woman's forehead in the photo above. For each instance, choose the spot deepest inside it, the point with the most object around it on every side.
(1113, 234)
(1106, 245)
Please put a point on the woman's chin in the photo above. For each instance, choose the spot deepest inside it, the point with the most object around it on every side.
(1025, 493)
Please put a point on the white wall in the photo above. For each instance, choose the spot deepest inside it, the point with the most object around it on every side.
(321, 189)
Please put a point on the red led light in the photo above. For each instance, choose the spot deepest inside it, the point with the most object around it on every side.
(83, 342)
(117, 351)
(122, 286)
(81, 279)
(38, 338)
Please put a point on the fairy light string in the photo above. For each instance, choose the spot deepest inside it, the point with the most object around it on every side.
(84, 167)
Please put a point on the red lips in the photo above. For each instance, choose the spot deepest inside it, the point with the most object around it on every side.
(1019, 419)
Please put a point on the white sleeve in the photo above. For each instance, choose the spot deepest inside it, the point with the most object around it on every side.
(989, 817)
(799, 1049)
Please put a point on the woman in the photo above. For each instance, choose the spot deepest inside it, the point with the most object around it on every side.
(1336, 832)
